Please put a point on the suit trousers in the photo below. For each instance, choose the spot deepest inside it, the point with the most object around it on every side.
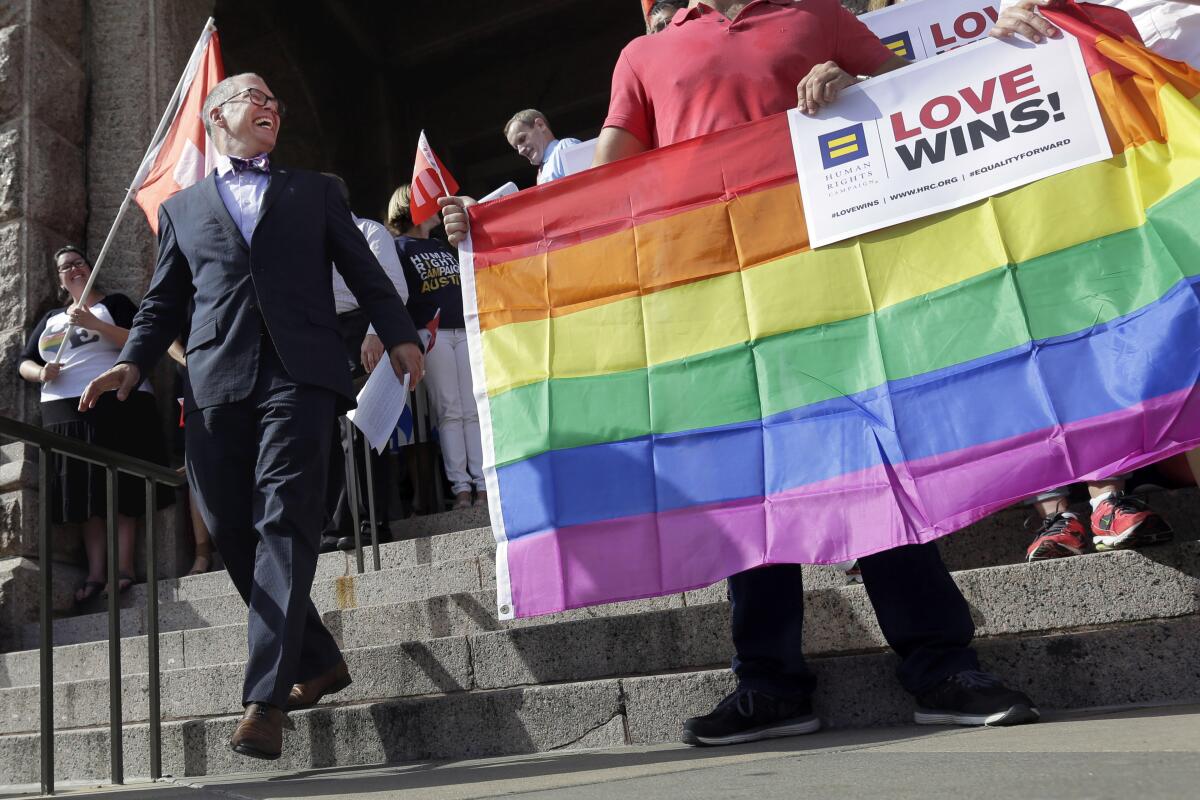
(258, 468)
(920, 610)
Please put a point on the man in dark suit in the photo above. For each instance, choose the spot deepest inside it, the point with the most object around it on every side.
(250, 249)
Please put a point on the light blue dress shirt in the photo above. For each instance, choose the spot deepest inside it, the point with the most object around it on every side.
(552, 164)
(242, 192)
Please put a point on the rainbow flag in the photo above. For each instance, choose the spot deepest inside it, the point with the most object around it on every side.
(674, 387)
(51, 341)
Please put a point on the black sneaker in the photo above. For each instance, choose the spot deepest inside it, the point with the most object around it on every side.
(974, 698)
(747, 716)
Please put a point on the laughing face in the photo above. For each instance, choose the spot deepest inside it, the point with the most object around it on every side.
(73, 272)
(249, 128)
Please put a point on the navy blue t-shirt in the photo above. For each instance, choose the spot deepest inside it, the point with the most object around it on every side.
(431, 270)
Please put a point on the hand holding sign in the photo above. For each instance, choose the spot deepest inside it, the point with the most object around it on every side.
(821, 86)
(1022, 19)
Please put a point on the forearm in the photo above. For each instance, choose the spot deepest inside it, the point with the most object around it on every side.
(615, 144)
(891, 65)
(112, 333)
(378, 298)
(31, 371)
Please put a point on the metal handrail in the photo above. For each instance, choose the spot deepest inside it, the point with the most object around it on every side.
(91, 453)
(355, 490)
(49, 443)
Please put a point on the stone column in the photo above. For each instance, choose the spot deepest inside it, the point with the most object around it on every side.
(42, 207)
(66, 159)
(137, 50)
(43, 200)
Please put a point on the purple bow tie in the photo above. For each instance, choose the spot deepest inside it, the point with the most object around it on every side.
(257, 164)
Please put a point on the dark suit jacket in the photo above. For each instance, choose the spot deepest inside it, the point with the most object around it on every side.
(283, 280)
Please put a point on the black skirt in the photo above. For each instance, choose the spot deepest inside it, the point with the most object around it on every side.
(130, 427)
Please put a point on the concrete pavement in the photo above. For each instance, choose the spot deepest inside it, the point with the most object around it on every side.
(1147, 754)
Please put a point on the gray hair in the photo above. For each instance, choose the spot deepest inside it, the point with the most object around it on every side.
(219, 94)
(526, 117)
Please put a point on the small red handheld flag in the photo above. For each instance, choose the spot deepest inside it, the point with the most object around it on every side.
(430, 181)
(431, 328)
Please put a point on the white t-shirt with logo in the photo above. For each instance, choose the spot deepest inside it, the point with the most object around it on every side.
(87, 353)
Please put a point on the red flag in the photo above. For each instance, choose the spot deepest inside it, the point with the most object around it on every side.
(184, 155)
(431, 328)
(430, 181)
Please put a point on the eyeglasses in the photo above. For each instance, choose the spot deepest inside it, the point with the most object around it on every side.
(70, 265)
(259, 98)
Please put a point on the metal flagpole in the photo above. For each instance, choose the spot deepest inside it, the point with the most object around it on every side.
(148, 159)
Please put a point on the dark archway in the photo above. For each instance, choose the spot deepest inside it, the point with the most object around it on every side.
(363, 79)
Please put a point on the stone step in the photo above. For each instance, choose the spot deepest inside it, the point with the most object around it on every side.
(412, 582)
(994, 538)
(997, 540)
(1131, 664)
(406, 552)
(1127, 586)
(457, 614)
(1006, 601)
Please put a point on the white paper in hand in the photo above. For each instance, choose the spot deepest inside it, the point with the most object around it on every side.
(380, 403)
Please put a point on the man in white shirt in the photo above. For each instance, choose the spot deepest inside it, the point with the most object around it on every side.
(383, 246)
(1170, 28)
(363, 346)
(529, 134)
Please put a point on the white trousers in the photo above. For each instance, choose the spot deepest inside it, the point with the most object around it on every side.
(448, 381)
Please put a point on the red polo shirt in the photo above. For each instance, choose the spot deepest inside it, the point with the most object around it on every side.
(705, 73)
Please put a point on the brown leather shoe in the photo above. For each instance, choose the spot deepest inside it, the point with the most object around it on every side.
(260, 733)
(309, 693)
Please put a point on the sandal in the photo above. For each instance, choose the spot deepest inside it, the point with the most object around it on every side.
(202, 562)
(124, 582)
(87, 591)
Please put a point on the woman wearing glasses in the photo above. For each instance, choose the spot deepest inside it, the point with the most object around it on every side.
(68, 348)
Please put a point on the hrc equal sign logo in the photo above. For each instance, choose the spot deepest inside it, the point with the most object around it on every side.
(843, 145)
(900, 44)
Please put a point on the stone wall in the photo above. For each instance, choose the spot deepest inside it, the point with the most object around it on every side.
(136, 52)
(82, 88)
(43, 199)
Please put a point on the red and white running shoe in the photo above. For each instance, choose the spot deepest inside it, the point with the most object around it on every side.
(1061, 535)
(1121, 522)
